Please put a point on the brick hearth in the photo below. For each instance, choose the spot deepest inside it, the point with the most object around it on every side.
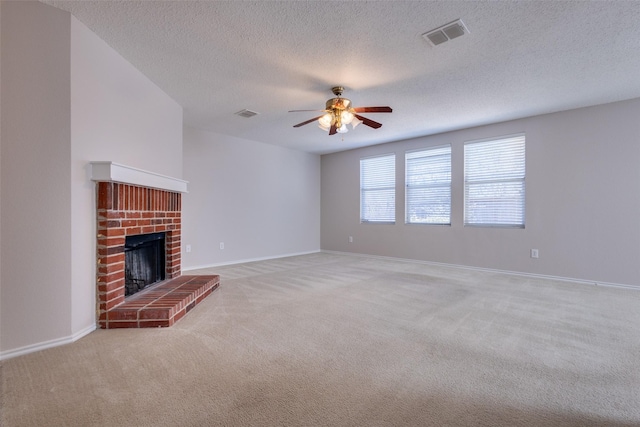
(126, 210)
(163, 304)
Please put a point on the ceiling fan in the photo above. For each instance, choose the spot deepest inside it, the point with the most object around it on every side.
(339, 113)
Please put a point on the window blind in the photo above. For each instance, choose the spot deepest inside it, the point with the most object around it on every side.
(494, 182)
(378, 189)
(428, 186)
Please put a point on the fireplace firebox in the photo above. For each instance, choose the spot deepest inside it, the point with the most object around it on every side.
(144, 261)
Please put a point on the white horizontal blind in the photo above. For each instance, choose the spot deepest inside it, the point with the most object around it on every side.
(378, 189)
(428, 186)
(494, 173)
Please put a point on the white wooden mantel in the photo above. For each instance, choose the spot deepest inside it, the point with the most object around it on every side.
(115, 172)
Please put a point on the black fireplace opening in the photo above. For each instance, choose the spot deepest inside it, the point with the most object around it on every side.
(144, 261)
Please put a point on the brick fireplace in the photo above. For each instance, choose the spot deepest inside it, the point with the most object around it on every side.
(127, 210)
(130, 209)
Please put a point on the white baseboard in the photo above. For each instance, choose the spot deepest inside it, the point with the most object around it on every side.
(242, 261)
(492, 270)
(32, 348)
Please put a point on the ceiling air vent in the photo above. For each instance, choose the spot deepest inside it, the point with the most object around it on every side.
(246, 113)
(445, 33)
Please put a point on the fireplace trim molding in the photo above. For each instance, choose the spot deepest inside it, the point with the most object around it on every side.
(116, 172)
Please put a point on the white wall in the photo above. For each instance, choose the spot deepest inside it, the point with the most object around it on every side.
(582, 200)
(0, 169)
(261, 200)
(36, 196)
(67, 99)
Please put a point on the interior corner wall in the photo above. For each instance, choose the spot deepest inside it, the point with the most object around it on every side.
(582, 200)
(35, 251)
(119, 115)
(262, 201)
(67, 99)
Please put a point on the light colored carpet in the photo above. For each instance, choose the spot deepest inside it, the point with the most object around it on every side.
(335, 340)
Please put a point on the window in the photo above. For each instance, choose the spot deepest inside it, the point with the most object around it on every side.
(378, 189)
(428, 186)
(494, 182)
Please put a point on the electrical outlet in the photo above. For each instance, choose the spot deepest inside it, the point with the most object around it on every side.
(221, 245)
(534, 253)
(188, 248)
(350, 239)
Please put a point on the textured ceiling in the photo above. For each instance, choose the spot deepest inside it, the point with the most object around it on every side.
(521, 58)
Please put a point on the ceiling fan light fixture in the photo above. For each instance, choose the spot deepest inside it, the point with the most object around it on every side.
(339, 113)
(347, 116)
(325, 121)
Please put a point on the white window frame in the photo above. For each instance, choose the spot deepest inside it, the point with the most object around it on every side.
(425, 191)
(378, 189)
(494, 182)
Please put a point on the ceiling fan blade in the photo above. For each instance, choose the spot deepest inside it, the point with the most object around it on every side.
(298, 111)
(307, 122)
(333, 129)
(369, 122)
(373, 110)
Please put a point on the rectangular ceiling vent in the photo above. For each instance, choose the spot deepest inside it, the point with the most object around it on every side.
(246, 113)
(445, 33)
